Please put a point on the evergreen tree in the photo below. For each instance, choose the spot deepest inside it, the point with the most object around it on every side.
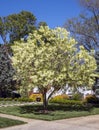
(6, 73)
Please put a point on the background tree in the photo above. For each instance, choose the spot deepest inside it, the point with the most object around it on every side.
(48, 60)
(21, 25)
(4, 27)
(42, 24)
(6, 73)
(16, 26)
(85, 27)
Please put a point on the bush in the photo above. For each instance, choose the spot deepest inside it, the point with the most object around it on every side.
(23, 99)
(67, 102)
(72, 104)
(6, 99)
(77, 96)
(59, 98)
(16, 99)
(36, 97)
(91, 99)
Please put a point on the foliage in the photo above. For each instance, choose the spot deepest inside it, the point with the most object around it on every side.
(24, 99)
(34, 97)
(83, 68)
(6, 99)
(72, 104)
(16, 26)
(91, 99)
(60, 98)
(85, 27)
(50, 59)
(64, 101)
(77, 96)
(6, 73)
(43, 60)
(42, 24)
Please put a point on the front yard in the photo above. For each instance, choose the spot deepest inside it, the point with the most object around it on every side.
(54, 112)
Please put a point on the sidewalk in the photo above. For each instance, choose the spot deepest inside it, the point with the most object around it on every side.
(80, 123)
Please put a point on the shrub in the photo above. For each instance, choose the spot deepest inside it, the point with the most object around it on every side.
(24, 99)
(36, 97)
(1, 99)
(91, 99)
(64, 101)
(6, 99)
(59, 98)
(77, 96)
(72, 104)
(15, 99)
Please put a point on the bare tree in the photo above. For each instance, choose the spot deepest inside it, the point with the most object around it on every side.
(85, 27)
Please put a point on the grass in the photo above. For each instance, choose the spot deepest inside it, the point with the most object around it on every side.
(5, 122)
(55, 112)
(8, 102)
(11, 102)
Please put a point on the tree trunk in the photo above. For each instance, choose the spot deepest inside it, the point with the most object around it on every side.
(45, 101)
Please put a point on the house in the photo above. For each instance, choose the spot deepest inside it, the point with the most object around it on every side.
(68, 90)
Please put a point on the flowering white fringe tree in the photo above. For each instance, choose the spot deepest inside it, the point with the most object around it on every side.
(50, 59)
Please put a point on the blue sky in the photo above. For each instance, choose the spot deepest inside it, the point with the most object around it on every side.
(54, 12)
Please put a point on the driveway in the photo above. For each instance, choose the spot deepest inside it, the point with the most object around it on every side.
(80, 123)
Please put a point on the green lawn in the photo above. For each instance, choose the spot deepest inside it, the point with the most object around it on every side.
(54, 112)
(11, 102)
(5, 122)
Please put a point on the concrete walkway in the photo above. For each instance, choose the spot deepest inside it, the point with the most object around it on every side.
(80, 123)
